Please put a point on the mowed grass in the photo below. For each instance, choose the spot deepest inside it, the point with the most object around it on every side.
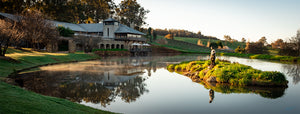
(16, 100)
(28, 59)
(13, 99)
(183, 47)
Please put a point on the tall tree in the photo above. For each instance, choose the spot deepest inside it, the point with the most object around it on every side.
(37, 29)
(243, 40)
(131, 13)
(263, 40)
(295, 41)
(227, 38)
(277, 44)
(10, 33)
(12, 6)
(100, 9)
(149, 34)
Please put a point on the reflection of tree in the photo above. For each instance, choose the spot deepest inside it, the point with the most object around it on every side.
(211, 95)
(293, 71)
(265, 92)
(132, 89)
(88, 92)
(82, 86)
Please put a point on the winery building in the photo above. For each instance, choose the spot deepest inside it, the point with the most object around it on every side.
(111, 33)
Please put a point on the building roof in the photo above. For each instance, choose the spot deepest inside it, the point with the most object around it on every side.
(9, 16)
(125, 29)
(95, 27)
(74, 27)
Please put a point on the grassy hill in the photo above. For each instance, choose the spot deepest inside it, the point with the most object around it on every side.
(232, 45)
(185, 44)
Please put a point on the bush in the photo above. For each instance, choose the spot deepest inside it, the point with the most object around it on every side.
(66, 32)
(169, 36)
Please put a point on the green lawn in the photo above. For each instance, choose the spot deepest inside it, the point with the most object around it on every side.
(13, 99)
(182, 47)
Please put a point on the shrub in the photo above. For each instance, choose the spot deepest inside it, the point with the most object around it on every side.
(66, 32)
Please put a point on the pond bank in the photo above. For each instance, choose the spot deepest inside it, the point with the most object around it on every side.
(13, 99)
(280, 58)
(230, 73)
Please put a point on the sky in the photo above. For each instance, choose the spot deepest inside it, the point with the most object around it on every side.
(249, 19)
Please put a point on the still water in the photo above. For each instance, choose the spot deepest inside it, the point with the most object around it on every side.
(144, 85)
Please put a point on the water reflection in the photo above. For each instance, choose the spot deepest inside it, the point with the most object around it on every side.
(211, 95)
(139, 85)
(92, 81)
(90, 87)
(292, 70)
(266, 92)
(98, 82)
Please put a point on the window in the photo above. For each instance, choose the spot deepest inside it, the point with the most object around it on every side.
(107, 31)
(109, 23)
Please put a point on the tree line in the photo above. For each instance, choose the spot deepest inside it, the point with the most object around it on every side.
(291, 47)
(176, 33)
(128, 12)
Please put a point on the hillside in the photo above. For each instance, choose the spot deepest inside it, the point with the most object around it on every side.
(232, 45)
(189, 45)
(182, 46)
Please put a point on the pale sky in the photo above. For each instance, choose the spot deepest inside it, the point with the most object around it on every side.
(250, 19)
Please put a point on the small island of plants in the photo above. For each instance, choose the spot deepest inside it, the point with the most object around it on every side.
(228, 73)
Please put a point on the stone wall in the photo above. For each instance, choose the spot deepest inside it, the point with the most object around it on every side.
(72, 46)
(52, 47)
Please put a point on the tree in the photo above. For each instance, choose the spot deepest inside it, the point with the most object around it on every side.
(291, 48)
(263, 40)
(88, 43)
(73, 11)
(66, 32)
(227, 38)
(169, 36)
(277, 44)
(37, 29)
(154, 35)
(149, 34)
(239, 50)
(219, 43)
(10, 33)
(131, 12)
(256, 48)
(243, 40)
(213, 45)
(288, 49)
(296, 42)
(12, 6)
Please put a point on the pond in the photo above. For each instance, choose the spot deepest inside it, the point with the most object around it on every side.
(144, 85)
